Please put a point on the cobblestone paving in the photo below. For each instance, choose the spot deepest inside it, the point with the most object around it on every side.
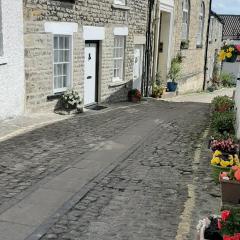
(28, 158)
(143, 198)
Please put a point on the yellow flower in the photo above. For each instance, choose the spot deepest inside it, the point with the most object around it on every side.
(224, 163)
(229, 55)
(215, 161)
(231, 49)
(236, 160)
(222, 55)
(217, 153)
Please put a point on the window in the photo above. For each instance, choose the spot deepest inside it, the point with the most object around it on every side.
(201, 25)
(185, 20)
(211, 29)
(62, 62)
(120, 2)
(1, 36)
(118, 58)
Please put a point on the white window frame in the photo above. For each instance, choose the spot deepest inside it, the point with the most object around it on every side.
(120, 2)
(201, 24)
(211, 27)
(185, 25)
(62, 28)
(118, 59)
(69, 63)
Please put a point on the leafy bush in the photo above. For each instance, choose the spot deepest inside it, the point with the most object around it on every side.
(223, 122)
(175, 69)
(227, 80)
(222, 104)
(71, 100)
(157, 91)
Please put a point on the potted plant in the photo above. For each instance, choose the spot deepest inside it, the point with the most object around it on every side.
(222, 162)
(228, 53)
(230, 185)
(134, 95)
(229, 224)
(71, 100)
(174, 73)
(222, 104)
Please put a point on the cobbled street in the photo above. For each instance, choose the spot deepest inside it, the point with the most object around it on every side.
(144, 197)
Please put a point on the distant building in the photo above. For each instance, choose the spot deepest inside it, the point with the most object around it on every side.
(11, 59)
(95, 47)
(231, 27)
(214, 46)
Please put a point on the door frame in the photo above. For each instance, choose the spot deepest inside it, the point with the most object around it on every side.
(142, 49)
(97, 68)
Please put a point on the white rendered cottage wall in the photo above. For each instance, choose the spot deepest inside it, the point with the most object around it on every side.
(12, 60)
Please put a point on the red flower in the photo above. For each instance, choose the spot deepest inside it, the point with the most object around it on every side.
(237, 175)
(238, 48)
(225, 215)
(225, 237)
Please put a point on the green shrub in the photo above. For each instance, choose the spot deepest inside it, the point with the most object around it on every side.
(157, 91)
(227, 79)
(222, 104)
(223, 122)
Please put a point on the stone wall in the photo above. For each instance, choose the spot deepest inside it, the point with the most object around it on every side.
(11, 59)
(192, 74)
(84, 13)
(214, 47)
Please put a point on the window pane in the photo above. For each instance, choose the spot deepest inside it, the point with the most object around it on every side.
(65, 81)
(55, 42)
(65, 69)
(61, 42)
(66, 56)
(61, 57)
(67, 43)
(55, 56)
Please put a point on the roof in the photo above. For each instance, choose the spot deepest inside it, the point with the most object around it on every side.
(216, 16)
(231, 26)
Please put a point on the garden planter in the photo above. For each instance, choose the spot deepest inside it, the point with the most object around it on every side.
(172, 86)
(232, 59)
(216, 170)
(134, 99)
(230, 192)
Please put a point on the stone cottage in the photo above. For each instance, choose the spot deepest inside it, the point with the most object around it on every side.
(214, 46)
(95, 47)
(181, 26)
(11, 59)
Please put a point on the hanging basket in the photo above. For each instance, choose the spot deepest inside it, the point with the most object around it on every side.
(216, 170)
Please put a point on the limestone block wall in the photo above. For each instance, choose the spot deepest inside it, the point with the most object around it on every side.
(84, 13)
(192, 74)
(11, 59)
(214, 47)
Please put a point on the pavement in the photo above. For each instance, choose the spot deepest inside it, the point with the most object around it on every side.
(132, 171)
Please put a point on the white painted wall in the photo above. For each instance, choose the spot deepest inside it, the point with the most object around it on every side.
(12, 86)
(237, 100)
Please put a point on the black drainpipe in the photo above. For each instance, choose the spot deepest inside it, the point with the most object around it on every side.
(148, 54)
(207, 45)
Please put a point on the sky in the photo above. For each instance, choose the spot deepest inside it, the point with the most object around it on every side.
(226, 6)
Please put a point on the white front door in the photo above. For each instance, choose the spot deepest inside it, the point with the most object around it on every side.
(90, 73)
(138, 65)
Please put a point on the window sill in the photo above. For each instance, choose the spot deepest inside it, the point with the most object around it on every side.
(3, 61)
(121, 7)
(117, 83)
(199, 46)
(55, 96)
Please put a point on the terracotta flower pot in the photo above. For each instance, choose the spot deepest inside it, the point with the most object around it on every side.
(230, 192)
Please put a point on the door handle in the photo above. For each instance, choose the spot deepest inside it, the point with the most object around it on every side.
(89, 77)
